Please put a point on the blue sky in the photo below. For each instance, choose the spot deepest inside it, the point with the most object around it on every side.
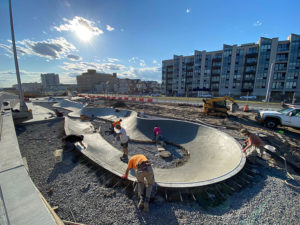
(130, 37)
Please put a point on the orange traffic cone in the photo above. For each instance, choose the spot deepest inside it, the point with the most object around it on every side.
(246, 108)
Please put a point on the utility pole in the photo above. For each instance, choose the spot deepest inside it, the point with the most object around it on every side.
(23, 107)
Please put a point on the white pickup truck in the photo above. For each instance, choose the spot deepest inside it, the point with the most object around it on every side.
(285, 117)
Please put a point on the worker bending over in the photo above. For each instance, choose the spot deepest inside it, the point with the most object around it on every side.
(124, 142)
(254, 146)
(144, 176)
(72, 139)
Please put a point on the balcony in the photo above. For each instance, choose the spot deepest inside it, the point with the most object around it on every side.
(250, 72)
(251, 54)
(252, 78)
(247, 89)
(253, 63)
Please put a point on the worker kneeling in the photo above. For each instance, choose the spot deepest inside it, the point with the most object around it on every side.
(145, 177)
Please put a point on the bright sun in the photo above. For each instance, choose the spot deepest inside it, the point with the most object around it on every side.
(83, 33)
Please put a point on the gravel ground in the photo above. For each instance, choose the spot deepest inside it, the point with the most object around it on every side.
(148, 149)
(82, 195)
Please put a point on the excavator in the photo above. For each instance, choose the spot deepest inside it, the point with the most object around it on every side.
(217, 106)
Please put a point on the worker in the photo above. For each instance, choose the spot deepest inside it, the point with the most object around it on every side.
(156, 133)
(254, 146)
(124, 142)
(72, 139)
(144, 176)
(114, 124)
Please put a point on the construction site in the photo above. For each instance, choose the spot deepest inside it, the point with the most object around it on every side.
(202, 176)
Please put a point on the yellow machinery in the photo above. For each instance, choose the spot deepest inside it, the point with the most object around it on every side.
(218, 107)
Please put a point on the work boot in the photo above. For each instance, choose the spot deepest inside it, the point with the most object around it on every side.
(146, 206)
(141, 203)
(124, 158)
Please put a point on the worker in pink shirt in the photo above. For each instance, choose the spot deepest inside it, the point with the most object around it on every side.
(157, 133)
(254, 147)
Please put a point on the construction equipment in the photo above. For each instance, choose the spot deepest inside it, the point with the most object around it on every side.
(218, 107)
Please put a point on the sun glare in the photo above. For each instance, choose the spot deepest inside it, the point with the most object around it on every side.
(83, 33)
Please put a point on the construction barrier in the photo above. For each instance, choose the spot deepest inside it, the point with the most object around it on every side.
(92, 97)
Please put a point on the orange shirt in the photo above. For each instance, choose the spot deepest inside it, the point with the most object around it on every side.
(117, 122)
(135, 160)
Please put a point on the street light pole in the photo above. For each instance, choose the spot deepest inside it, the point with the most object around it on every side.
(23, 107)
(269, 82)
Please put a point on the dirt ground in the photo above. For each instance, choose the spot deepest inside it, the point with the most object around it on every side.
(286, 140)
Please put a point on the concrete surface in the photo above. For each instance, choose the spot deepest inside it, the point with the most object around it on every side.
(214, 155)
(67, 104)
(20, 196)
(105, 113)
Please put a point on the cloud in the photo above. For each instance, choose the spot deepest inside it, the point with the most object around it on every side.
(142, 62)
(84, 66)
(146, 73)
(109, 28)
(112, 60)
(8, 78)
(133, 59)
(188, 10)
(79, 23)
(20, 50)
(50, 49)
(74, 57)
(257, 23)
(154, 61)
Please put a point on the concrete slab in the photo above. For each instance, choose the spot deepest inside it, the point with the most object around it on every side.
(22, 200)
(105, 113)
(67, 104)
(214, 155)
(9, 147)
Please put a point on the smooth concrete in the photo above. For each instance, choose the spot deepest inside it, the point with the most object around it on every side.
(105, 113)
(20, 196)
(67, 104)
(214, 155)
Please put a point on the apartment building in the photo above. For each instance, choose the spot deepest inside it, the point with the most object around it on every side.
(237, 70)
(49, 79)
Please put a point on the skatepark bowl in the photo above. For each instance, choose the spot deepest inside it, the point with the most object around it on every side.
(214, 156)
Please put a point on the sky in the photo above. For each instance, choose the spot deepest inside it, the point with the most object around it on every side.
(130, 37)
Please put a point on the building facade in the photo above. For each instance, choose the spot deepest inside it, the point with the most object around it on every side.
(98, 82)
(109, 83)
(49, 79)
(30, 87)
(237, 70)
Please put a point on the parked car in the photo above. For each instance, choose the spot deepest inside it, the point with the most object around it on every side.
(248, 97)
(205, 96)
(285, 117)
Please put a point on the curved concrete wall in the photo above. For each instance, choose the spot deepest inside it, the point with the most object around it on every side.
(214, 155)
